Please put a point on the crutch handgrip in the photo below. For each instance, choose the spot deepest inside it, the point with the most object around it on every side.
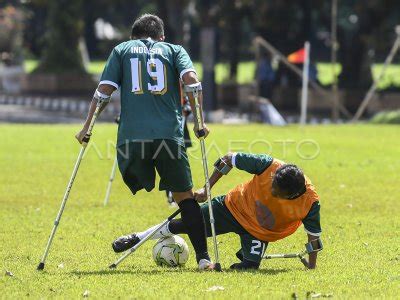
(86, 138)
(201, 132)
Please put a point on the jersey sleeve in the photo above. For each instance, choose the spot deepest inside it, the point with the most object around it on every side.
(251, 163)
(183, 62)
(312, 221)
(112, 73)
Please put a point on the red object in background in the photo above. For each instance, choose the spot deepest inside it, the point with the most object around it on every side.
(297, 57)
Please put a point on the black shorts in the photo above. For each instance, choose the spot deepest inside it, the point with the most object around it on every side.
(139, 160)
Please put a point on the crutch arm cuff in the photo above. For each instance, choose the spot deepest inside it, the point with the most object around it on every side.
(222, 167)
(314, 246)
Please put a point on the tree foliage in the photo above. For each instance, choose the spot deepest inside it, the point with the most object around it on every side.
(365, 29)
(64, 29)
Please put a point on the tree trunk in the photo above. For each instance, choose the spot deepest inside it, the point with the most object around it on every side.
(234, 40)
(353, 50)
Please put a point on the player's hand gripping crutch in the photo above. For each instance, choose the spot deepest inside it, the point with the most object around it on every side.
(142, 241)
(85, 142)
(201, 133)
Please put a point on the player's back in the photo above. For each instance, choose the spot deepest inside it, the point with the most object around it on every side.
(148, 74)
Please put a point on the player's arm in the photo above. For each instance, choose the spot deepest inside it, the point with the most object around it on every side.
(221, 167)
(251, 163)
(103, 93)
(312, 226)
(191, 82)
(191, 85)
(110, 81)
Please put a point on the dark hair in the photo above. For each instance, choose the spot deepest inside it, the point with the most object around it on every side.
(290, 179)
(148, 26)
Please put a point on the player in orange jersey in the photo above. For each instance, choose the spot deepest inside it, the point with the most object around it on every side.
(269, 207)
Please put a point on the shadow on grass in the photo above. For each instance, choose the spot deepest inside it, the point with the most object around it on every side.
(131, 272)
(159, 271)
(271, 272)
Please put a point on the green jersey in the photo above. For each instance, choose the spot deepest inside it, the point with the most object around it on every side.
(148, 72)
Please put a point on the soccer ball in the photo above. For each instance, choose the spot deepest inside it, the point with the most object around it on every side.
(171, 251)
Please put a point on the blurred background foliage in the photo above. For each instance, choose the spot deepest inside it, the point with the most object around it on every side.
(365, 30)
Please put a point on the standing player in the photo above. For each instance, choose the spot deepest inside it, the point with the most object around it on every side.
(150, 134)
(267, 208)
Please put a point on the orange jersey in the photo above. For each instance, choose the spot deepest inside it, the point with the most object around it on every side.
(264, 216)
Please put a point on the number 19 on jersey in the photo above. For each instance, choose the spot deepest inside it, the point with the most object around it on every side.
(156, 71)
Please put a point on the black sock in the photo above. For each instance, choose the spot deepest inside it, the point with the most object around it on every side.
(176, 226)
(193, 222)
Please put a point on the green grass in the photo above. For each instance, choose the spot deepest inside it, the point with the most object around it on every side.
(356, 174)
(246, 71)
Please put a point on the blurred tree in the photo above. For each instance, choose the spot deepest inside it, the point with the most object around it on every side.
(172, 13)
(230, 21)
(11, 32)
(354, 27)
(64, 29)
(364, 29)
(208, 35)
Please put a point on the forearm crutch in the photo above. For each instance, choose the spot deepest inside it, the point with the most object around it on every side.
(85, 142)
(112, 175)
(142, 241)
(110, 181)
(195, 88)
(312, 246)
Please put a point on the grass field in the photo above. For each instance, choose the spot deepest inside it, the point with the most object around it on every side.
(356, 172)
(246, 71)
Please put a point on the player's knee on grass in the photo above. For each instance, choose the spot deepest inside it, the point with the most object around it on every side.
(245, 265)
(252, 249)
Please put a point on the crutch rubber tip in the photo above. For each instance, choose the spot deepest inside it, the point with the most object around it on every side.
(305, 262)
(113, 266)
(40, 266)
(218, 267)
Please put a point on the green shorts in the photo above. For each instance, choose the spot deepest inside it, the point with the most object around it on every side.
(139, 160)
(252, 248)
